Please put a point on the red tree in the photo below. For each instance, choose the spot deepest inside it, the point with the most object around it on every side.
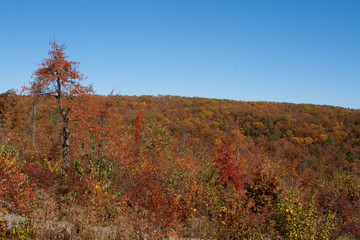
(61, 79)
(138, 127)
(229, 170)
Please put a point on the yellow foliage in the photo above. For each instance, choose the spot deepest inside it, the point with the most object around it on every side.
(323, 137)
(217, 142)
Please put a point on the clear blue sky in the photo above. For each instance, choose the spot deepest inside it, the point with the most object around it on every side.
(301, 51)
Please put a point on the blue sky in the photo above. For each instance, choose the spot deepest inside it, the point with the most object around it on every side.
(301, 51)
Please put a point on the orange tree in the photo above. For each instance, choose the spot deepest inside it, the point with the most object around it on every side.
(60, 78)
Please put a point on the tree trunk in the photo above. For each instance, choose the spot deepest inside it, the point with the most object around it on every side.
(66, 134)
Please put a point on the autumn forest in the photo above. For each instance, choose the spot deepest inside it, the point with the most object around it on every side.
(77, 165)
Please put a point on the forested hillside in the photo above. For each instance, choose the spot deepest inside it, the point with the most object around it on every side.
(167, 166)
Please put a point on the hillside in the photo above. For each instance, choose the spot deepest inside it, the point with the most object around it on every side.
(153, 167)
